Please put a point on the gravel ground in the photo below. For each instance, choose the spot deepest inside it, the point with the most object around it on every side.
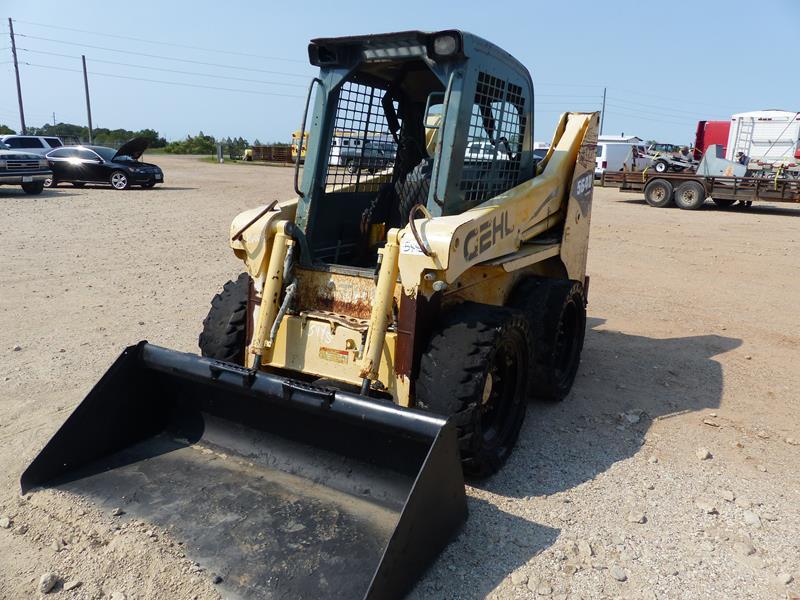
(669, 472)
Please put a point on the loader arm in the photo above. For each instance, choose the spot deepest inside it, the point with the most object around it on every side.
(501, 225)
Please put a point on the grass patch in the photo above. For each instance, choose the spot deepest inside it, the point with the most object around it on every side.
(260, 163)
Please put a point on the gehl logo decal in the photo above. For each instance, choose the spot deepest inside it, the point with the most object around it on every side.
(486, 235)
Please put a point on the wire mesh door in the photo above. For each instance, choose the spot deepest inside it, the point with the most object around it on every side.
(494, 141)
(362, 150)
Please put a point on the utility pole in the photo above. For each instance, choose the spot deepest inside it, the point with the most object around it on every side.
(603, 112)
(88, 105)
(16, 71)
(54, 119)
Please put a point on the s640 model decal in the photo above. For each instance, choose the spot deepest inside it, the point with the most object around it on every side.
(582, 190)
(482, 237)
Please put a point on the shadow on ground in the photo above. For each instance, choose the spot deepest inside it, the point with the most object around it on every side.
(133, 187)
(492, 544)
(47, 194)
(788, 210)
(564, 445)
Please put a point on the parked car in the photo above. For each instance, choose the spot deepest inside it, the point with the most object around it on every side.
(355, 154)
(24, 169)
(484, 150)
(618, 153)
(36, 144)
(121, 168)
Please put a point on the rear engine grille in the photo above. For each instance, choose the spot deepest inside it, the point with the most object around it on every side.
(22, 165)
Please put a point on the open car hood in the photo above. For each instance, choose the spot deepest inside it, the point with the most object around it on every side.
(133, 148)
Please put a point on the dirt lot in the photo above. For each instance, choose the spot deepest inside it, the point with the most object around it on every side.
(693, 343)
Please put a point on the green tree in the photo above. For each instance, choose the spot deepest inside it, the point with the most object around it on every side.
(6, 130)
(100, 135)
(199, 144)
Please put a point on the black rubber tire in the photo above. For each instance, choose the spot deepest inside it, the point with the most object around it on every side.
(413, 189)
(658, 193)
(78, 184)
(351, 167)
(50, 183)
(556, 311)
(723, 202)
(661, 166)
(122, 174)
(224, 334)
(34, 189)
(479, 348)
(690, 195)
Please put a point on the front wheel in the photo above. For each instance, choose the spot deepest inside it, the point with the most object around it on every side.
(351, 166)
(224, 334)
(33, 188)
(50, 182)
(475, 371)
(661, 166)
(658, 193)
(119, 180)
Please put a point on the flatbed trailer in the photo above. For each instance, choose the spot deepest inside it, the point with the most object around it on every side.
(689, 191)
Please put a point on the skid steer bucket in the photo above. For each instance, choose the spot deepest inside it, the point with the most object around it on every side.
(285, 489)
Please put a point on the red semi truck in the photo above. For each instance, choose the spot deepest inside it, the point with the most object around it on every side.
(709, 133)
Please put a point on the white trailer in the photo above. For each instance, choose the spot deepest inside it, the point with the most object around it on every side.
(766, 136)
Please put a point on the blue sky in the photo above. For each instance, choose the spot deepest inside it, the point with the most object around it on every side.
(666, 64)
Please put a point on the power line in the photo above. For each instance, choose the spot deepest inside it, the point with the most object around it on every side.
(183, 60)
(635, 106)
(593, 85)
(640, 117)
(566, 96)
(662, 97)
(111, 62)
(655, 114)
(172, 44)
(194, 85)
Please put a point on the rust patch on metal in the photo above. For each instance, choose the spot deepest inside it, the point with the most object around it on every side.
(404, 347)
(415, 321)
(360, 325)
(252, 302)
(349, 295)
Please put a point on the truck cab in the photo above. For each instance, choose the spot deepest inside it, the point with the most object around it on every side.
(36, 144)
(28, 170)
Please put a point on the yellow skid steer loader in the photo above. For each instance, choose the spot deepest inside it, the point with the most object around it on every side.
(390, 325)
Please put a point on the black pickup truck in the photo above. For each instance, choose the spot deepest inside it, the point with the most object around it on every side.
(23, 168)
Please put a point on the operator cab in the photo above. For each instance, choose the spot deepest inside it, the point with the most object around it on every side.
(400, 120)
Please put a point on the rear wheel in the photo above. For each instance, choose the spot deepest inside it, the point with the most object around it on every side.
(690, 195)
(351, 166)
(475, 371)
(556, 310)
(723, 203)
(224, 334)
(658, 193)
(33, 188)
(661, 166)
(119, 180)
(50, 182)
